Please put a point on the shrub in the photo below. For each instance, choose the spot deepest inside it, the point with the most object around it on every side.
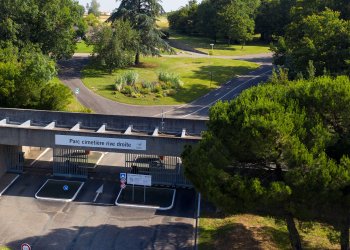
(120, 83)
(171, 78)
(171, 92)
(154, 86)
(176, 82)
(157, 89)
(164, 77)
(147, 85)
(135, 95)
(127, 90)
(131, 77)
(145, 91)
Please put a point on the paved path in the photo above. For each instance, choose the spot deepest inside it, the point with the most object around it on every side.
(70, 75)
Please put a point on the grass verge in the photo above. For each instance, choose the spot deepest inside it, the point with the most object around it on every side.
(196, 73)
(82, 47)
(256, 232)
(202, 44)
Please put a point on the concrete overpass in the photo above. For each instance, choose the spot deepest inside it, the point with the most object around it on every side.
(106, 133)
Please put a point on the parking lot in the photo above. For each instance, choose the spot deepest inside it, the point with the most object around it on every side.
(83, 224)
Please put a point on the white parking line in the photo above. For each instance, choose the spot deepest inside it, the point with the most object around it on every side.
(210, 104)
(99, 159)
(41, 155)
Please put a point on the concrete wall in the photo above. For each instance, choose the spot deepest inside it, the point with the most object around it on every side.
(64, 119)
(171, 146)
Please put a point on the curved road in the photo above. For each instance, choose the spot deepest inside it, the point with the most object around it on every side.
(198, 109)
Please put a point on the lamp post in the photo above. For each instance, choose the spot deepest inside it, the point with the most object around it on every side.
(212, 48)
(211, 73)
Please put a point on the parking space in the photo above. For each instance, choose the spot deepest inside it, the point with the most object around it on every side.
(85, 225)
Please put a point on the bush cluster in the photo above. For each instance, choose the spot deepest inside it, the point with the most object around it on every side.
(167, 85)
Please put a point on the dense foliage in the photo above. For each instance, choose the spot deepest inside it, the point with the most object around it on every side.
(233, 20)
(280, 149)
(142, 16)
(114, 45)
(25, 80)
(323, 38)
(130, 85)
(52, 25)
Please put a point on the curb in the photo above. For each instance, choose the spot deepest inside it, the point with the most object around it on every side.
(144, 206)
(57, 199)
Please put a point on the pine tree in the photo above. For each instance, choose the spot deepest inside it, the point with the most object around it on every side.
(142, 14)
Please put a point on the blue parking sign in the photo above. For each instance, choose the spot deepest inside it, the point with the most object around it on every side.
(122, 176)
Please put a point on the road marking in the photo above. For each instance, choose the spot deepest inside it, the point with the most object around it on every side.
(99, 159)
(188, 104)
(210, 104)
(41, 155)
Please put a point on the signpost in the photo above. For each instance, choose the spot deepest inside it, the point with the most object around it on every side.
(139, 179)
(25, 246)
(122, 177)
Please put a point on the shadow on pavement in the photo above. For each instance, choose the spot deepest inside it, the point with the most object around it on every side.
(105, 237)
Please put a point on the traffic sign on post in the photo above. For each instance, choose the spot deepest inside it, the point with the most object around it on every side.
(25, 246)
(122, 186)
(122, 176)
(122, 181)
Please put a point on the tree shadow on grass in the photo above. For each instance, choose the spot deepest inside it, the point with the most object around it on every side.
(229, 236)
(186, 95)
(219, 74)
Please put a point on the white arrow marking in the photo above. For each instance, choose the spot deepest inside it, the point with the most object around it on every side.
(98, 192)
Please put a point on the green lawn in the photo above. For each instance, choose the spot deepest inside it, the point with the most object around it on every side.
(202, 44)
(194, 72)
(256, 232)
(83, 48)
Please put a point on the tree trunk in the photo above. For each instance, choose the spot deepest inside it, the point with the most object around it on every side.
(137, 58)
(294, 236)
(344, 234)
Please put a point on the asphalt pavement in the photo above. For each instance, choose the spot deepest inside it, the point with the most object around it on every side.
(85, 224)
(198, 109)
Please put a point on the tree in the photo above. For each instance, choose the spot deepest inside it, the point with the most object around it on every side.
(272, 17)
(53, 25)
(185, 19)
(271, 151)
(54, 96)
(208, 20)
(142, 15)
(237, 20)
(94, 8)
(323, 38)
(25, 75)
(114, 45)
